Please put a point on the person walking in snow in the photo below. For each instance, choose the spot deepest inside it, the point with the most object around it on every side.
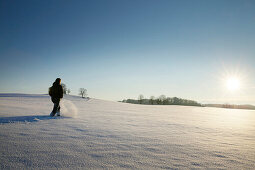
(56, 93)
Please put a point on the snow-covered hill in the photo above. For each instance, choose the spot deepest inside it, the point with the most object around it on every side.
(102, 134)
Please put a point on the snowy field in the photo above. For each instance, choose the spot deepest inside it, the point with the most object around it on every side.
(101, 134)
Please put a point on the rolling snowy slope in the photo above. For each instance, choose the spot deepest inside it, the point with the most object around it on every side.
(102, 134)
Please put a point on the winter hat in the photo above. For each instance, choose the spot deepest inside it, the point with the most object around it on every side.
(58, 80)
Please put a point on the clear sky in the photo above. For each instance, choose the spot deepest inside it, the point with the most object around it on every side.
(120, 49)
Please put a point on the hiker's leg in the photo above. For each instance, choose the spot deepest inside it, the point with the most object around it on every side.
(58, 108)
(58, 112)
(55, 108)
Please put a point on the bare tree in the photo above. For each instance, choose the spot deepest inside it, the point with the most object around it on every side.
(64, 88)
(68, 91)
(83, 92)
(140, 98)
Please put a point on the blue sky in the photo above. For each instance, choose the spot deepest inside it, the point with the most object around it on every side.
(120, 49)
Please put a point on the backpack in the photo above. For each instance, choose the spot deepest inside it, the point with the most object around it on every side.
(50, 91)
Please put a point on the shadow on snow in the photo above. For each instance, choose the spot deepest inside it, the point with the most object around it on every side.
(37, 118)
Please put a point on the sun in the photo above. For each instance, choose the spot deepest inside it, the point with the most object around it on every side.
(233, 83)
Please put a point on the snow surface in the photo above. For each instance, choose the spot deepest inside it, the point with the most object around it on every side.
(102, 134)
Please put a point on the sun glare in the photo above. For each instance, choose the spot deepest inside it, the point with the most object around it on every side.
(233, 83)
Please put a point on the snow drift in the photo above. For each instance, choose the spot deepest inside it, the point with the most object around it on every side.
(102, 134)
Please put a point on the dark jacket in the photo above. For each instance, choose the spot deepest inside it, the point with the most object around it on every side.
(56, 92)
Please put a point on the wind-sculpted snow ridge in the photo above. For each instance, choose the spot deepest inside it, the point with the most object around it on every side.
(112, 135)
(26, 119)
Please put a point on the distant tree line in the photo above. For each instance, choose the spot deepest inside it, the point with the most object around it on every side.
(231, 106)
(162, 100)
